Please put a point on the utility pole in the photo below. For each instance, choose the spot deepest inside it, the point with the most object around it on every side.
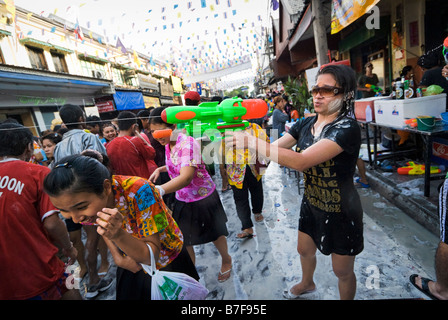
(320, 33)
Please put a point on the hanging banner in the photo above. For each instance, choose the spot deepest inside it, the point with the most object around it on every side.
(344, 12)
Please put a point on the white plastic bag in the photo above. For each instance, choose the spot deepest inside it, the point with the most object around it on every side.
(167, 285)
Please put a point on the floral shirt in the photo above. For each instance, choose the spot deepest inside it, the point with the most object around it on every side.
(236, 160)
(145, 213)
(187, 152)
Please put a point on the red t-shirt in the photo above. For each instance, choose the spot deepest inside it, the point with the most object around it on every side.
(131, 156)
(28, 262)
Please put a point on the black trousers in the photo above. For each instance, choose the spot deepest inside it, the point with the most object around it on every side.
(241, 197)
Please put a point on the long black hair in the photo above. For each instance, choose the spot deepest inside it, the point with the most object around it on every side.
(76, 174)
(346, 79)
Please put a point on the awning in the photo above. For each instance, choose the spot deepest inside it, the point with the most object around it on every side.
(302, 28)
(30, 88)
(129, 100)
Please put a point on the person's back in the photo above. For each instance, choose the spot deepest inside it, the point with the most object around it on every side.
(278, 120)
(29, 264)
(130, 155)
(434, 76)
(127, 157)
(76, 139)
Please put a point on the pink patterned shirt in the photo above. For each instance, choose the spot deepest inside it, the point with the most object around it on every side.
(187, 152)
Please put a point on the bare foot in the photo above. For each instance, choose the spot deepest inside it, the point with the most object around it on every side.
(302, 288)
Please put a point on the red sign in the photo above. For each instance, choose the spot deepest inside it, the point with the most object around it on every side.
(105, 106)
(440, 150)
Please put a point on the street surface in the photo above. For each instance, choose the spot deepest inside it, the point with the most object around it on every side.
(395, 247)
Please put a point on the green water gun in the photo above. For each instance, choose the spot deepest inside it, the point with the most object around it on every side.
(374, 88)
(214, 118)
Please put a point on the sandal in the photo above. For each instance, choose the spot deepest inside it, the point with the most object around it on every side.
(245, 235)
(359, 184)
(287, 294)
(424, 288)
(224, 276)
(258, 217)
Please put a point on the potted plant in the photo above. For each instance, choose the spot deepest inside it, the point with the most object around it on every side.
(300, 96)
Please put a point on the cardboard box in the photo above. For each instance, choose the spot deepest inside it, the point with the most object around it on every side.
(394, 112)
(361, 105)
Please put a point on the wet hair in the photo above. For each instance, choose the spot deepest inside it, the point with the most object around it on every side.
(346, 79)
(76, 174)
(53, 137)
(156, 117)
(126, 119)
(70, 115)
(14, 139)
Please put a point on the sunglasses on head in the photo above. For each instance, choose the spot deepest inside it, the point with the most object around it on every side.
(326, 91)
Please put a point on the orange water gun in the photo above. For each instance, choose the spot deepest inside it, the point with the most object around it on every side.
(415, 169)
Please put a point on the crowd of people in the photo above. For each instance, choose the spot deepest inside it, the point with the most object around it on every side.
(139, 181)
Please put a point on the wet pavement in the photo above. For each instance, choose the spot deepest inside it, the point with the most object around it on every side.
(395, 246)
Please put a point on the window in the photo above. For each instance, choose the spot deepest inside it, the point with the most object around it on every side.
(118, 76)
(89, 68)
(37, 58)
(59, 62)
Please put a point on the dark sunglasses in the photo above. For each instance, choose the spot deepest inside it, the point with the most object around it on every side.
(326, 91)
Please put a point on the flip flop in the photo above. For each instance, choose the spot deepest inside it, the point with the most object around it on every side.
(245, 235)
(424, 288)
(359, 184)
(224, 275)
(258, 217)
(291, 296)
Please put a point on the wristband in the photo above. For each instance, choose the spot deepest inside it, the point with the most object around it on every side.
(161, 190)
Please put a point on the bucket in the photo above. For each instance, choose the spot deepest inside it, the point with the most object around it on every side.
(444, 116)
(425, 123)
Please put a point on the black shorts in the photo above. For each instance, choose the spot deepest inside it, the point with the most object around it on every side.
(332, 232)
(443, 207)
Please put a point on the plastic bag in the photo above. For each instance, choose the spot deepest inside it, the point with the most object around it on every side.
(433, 90)
(167, 285)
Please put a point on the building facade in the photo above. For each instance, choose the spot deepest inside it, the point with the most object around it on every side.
(46, 62)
